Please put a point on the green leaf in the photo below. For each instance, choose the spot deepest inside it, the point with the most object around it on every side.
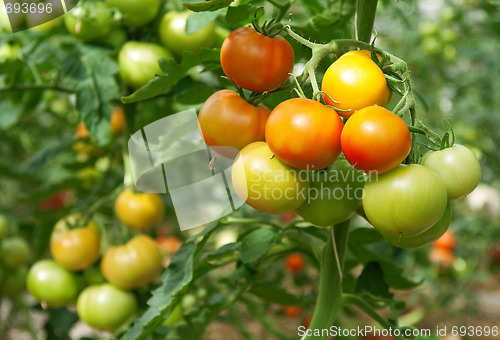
(45, 155)
(9, 115)
(198, 20)
(275, 294)
(257, 243)
(240, 15)
(371, 281)
(211, 5)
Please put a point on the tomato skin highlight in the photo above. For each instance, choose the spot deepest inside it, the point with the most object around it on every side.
(227, 120)
(406, 201)
(256, 62)
(353, 82)
(457, 166)
(375, 140)
(304, 134)
(265, 183)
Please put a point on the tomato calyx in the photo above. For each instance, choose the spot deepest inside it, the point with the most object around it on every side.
(269, 28)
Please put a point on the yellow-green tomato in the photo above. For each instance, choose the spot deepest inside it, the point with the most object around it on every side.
(14, 252)
(89, 20)
(172, 33)
(267, 184)
(425, 238)
(52, 284)
(175, 316)
(105, 306)
(334, 194)
(136, 12)
(138, 62)
(457, 166)
(405, 201)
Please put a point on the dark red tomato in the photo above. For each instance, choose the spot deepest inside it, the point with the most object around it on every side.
(304, 134)
(256, 62)
(375, 140)
(227, 120)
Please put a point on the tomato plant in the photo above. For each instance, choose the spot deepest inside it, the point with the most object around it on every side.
(354, 82)
(105, 306)
(172, 33)
(375, 140)
(304, 134)
(265, 183)
(78, 248)
(136, 12)
(138, 62)
(334, 195)
(133, 264)
(457, 166)
(139, 211)
(256, 62)
(227, 120)
(405, 201)
(89, 21)
(52, 284)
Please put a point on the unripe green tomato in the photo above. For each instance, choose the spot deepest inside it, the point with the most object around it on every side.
(425, 238)
(457, 166)
(448, 13)
(51, 283)
(105, 306)
(14, 281)
(428, 28)
(405, 201)
(136, 12)
(93, 276)
(334, 194)
(189, 303)
(14, 252)
(37, 21)
(172, 33)
(431, 45)
(449, 53)
(115, 38)
(138, 62)
(89, 21)
(174, 317)
(448, 35)
(4, 227)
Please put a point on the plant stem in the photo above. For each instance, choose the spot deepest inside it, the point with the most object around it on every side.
(365, 307)
(365, 17)
(21, 88)
(330, 285)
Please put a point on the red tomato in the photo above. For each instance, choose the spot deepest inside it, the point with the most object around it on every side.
(375, 140)
(294, 263)
(256, 62)
(304, 134)
(227, 120)
(293, 312)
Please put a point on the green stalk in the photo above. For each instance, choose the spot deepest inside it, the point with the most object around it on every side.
(365, 17)
(330, 284)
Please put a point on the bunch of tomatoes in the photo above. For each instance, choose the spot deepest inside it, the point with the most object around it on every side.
(328, 160)
(108, 298)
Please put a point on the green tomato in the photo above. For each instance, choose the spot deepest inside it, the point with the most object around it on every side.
(51, 283)
(176, 316)
(172, 33)
(431, 45)
(457, 166)
(425, 238)
(136, 12)
(428, 28)
(93, 276)
(105, 306)
(334, 194)
(139, 62)
(115, 38)
(89, 20)
(267, 184)
(4, 227)
(14, 252)
(14, 281)
(405, 201)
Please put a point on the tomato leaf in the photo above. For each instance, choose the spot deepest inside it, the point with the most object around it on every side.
(211, 5)
(257, 243)
(370, 281)
(198, 20)
(275, 294)
(9, 114)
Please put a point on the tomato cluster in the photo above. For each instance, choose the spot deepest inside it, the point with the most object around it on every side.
(289, 157)
(108, 299)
